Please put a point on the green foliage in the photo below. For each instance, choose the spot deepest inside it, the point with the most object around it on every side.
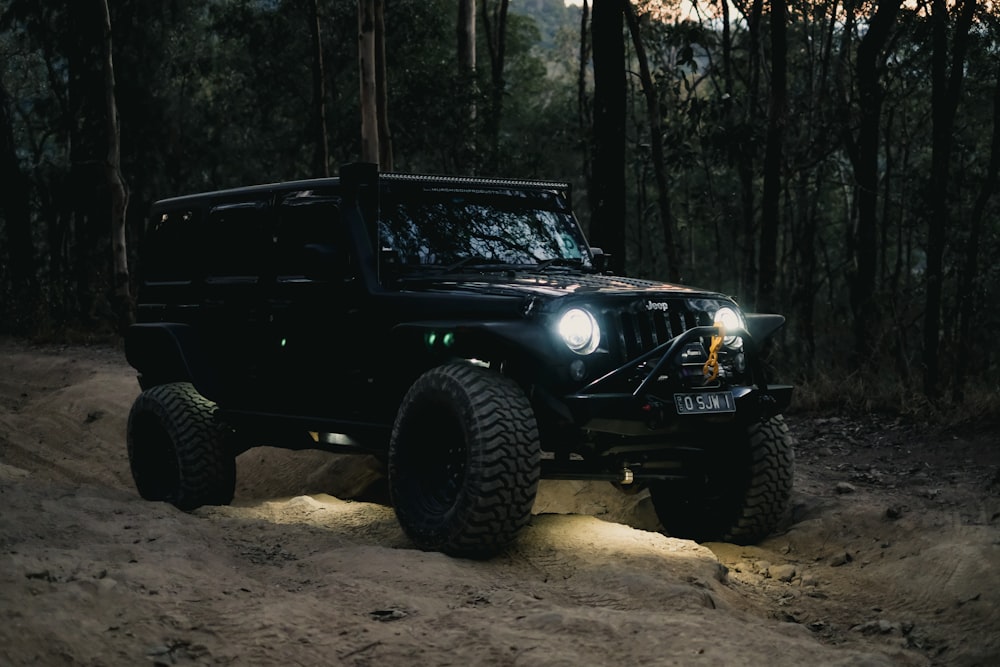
(713, 118)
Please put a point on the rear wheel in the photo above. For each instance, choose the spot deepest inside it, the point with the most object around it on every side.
(742, 493)
(464, 461)
(177, 451)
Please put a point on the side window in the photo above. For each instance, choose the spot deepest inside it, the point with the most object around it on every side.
(170, 247)
(236, 240)
(306, 219)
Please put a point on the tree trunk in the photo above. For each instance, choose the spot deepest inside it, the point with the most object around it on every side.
(321, 151)
(88, 231)
(382, 90)
(746, 149)
(496, 42)
(670, 236)
(807, 284)
(15, 205)
(585, 116)
(772, 161)
(465, 32)
(968, 273)
(608, 187)
(863, 241)
(122, 302)
(727, 54)
(366, 67)
(945, 92)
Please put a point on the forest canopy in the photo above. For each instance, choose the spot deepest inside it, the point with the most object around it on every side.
(835, 161)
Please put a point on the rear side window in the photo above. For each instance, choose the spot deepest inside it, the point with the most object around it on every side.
(170, 247)
(236, 239)
(305, 218)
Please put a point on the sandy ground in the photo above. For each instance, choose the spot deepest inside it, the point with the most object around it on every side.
(890, 557)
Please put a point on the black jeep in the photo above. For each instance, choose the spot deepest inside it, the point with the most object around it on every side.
(462, 330)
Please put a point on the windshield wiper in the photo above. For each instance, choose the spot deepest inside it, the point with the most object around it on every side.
(471, 261)
(574, 263)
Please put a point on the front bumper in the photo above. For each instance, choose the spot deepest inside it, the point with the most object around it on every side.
(637, 399)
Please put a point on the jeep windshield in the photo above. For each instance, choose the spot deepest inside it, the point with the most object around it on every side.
(451, 229)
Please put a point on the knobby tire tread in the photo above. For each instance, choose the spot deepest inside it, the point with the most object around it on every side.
(747, 495)
(771, 478)
(503, 469)
(205, 467)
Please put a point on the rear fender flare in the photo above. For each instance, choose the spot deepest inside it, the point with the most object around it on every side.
(165, 352)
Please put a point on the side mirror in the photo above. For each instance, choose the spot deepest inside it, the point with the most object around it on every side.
(602, 261)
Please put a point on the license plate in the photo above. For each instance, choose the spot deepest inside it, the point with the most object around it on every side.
(705, 403)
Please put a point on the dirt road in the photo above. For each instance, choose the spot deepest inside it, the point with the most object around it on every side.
(891, 556)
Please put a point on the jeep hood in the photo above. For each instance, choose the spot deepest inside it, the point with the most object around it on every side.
(548, 285)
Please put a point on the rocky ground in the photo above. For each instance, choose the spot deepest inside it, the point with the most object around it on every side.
(890, 556)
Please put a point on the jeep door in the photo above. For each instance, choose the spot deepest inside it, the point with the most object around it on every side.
(313, 305)
(230, 317)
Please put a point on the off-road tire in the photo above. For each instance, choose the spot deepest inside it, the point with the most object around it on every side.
(177, 451)
(741, 494)
(464, 461)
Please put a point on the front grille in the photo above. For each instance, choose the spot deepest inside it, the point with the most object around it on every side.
(640, 329)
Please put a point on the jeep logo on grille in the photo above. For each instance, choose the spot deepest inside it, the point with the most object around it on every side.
(650, 305)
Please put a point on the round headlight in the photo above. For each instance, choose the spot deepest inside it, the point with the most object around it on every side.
(579, 330)
(733, 322)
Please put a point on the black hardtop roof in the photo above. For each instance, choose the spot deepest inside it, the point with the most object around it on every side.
(321, 183)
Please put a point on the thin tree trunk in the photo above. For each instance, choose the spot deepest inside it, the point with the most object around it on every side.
(366, 67)
(15, 204)
(608, 187)
(584, 110)
(382, 90)
(736, 148)
(727, 54)
(87, 279)
(969, 269)
(122, 294)
(863, 242)
(745, 156)
(945, 92)
(496, 42)
(805, 249)
(466, 36)
(321, 151)
(670, 236)
(772, 160)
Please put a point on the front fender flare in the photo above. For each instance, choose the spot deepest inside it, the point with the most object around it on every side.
(762, 326)
(527, 341)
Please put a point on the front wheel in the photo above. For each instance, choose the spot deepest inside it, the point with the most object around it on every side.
(177, 451)
(464, 461)
(740, 495)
